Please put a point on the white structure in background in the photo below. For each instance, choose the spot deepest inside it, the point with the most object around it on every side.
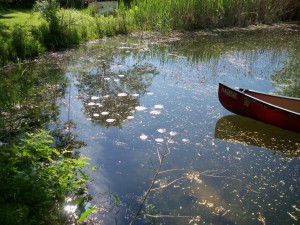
(104, 7)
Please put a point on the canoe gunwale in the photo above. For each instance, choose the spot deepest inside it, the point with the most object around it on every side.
(272, 105)
(280, 114)
(242, 91)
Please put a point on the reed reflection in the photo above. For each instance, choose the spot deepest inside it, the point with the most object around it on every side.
(239, 129)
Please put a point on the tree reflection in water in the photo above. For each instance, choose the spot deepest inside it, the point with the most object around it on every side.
(109, 97)
(28, 98)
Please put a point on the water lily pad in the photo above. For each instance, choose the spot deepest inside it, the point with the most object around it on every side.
(171, 141)
(155, 112)
(185, 140)
(173, 133)
(158, 106)
(159, 140)
(140, 108)
(143, 137)
(161, 130)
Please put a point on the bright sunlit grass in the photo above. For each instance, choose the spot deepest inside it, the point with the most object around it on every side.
(12, 17)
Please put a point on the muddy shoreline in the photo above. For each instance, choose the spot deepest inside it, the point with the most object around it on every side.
(228, 31)
(158, 38)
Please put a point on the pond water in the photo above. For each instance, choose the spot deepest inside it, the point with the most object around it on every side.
(142, 103)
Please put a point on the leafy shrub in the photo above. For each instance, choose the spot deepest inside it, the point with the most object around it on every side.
(35, 180)
(4, 51)
(56, 34)
(23, 45)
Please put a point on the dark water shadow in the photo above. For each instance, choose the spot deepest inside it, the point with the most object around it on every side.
(239, 129)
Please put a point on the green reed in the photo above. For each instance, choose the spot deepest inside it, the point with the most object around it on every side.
(63, 28)
(194, 14)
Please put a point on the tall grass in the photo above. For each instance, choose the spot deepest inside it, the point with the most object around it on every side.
(194, 14)
(61, 28)
(64, 29)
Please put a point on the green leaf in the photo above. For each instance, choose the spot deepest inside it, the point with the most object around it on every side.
(86, 214)
(77, 200)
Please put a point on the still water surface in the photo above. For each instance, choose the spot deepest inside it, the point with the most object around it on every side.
(137, 102)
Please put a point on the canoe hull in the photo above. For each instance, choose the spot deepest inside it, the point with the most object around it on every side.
(236, 101)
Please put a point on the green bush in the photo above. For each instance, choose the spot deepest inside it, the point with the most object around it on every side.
(56, 34)
(23, 44)
(35, 180)
(4, 51)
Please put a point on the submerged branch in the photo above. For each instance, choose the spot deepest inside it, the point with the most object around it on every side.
(168, 184)
(167, 171)
(227, 177)
(167, 216)
(161, 159)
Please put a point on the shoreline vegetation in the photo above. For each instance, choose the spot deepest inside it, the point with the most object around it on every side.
(42, 171)
(49, 27)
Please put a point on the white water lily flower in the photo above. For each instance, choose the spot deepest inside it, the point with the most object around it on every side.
(150, 93)
(159, 140)
(121, 75)
(143, 137)
(173, 133)
(98, 104)
(96, 115)
(106, 78)
(185, 140)
(140, 108)
(91, 103)
(161, 130)
(95, 97)
(110, 120)
(130, 117)
(116, 80)
(155, 112)
(104, 113)
(135, 95)
(122, 94)
(171, 141)
(158, 106)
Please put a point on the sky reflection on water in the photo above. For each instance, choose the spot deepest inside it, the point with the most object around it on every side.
(129, 97)
(211, 179)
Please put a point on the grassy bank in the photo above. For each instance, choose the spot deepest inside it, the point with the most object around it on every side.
(57, 28)
(25, 35)
(195, 14)
(12, 17)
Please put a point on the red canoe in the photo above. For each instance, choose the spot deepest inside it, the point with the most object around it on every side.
(276, 110)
